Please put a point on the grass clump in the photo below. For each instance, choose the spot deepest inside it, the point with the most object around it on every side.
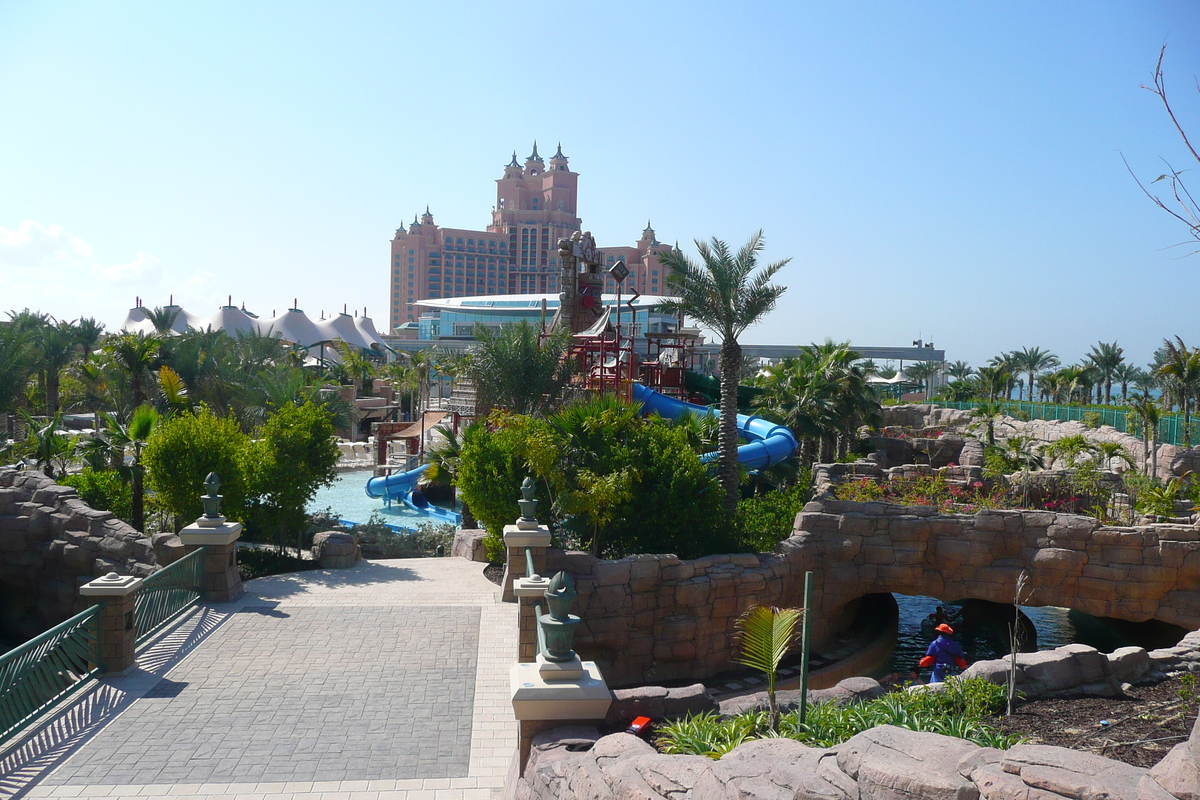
(958, 710)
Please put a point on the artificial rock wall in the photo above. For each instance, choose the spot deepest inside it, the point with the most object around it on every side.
(884, 763)
(50, 542)
(654, 618)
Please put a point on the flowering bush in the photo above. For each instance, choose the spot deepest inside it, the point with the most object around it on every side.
(926, 490)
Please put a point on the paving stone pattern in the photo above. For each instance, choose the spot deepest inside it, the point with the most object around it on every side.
(296, 693)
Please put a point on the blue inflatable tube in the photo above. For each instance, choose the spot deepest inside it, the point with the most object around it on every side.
(768, 442)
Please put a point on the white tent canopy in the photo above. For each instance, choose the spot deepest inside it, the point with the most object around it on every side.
(292, 325)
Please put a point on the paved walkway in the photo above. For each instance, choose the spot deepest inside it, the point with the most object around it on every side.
(389, 680)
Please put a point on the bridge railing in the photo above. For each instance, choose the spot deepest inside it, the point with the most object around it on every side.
(168, 593)
(47, 669)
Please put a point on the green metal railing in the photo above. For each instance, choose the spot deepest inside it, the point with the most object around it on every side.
(168, 593)
(47, 669)
(1170, 426)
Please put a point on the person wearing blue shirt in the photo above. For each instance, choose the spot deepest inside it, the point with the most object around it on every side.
(943, 653)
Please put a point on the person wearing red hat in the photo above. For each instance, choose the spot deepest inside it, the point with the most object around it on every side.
(943, 652)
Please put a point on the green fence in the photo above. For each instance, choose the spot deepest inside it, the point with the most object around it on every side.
(1170, 426)
(47, 669)
(168, 593)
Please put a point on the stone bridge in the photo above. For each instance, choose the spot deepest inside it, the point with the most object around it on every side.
(655, 617)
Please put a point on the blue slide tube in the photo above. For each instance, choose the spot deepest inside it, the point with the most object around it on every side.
(394, 487)
(400, 487)
(768, 442)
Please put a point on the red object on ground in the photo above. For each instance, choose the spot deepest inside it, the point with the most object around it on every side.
(638, 726)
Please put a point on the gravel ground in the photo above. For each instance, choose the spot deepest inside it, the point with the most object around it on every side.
(1138, 729)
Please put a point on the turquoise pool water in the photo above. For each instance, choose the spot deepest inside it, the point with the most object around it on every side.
(348, 500)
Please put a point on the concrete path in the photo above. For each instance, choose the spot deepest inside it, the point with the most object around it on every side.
(388, 680)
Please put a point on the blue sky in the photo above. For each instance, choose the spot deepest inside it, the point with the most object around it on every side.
(937, 169)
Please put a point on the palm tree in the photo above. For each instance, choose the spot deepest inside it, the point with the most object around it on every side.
(163, 319)
(959, 370)
(725, 294)
(993, 380)
(514, 368)
(764, 636)
(141, 424)
(919, 372)
(1110, 451)
(56, 345)
(135, 355)
(987, 414)
(1125, 374)
(1030, 361)
(959, 391)
(16, 361)
(1182, 367)
(1106, 358)
(44, 442)
(1146, 409)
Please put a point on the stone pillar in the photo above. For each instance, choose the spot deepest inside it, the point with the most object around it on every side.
(117, 630)
(546, 694)
(222, 581)
(516, 539)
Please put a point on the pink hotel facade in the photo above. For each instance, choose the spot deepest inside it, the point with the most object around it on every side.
(517, 253)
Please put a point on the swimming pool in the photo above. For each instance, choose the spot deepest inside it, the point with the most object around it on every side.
(348, 500)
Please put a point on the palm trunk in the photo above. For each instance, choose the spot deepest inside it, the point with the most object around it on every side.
(1154, 452)
(1187, 421)
(51, 393)
(138, 500)
(727, 463)
(1145, 446)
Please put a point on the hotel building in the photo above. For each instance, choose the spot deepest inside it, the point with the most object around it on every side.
(517, 253)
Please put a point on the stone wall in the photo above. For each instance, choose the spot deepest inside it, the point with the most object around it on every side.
(575, 763)
(653, 618)
(50, 542)
(1173, 461)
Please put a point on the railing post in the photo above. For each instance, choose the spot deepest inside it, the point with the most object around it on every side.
(526, 533)
(118, 634)
(222, 581)
(528, 590)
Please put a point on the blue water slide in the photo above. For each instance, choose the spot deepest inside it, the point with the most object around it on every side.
(395, 487)
(402, 486)
(767, 442)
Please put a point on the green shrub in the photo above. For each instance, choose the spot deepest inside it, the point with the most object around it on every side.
(103, 490)
(294, 453)
(1091, 419)
(766, 520)
(957, 710)
(183, 450)
(671, 503)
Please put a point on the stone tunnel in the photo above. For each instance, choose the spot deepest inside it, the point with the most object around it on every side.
(655, 618)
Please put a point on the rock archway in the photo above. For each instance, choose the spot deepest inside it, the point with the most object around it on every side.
(655, 617)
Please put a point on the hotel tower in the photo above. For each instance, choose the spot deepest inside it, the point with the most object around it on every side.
(518, 251)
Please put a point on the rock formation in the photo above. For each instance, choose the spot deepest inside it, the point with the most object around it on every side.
(50, 542)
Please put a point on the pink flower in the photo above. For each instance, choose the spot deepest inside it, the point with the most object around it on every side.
(978, 484)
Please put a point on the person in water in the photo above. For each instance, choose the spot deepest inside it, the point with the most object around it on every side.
(943, 653)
